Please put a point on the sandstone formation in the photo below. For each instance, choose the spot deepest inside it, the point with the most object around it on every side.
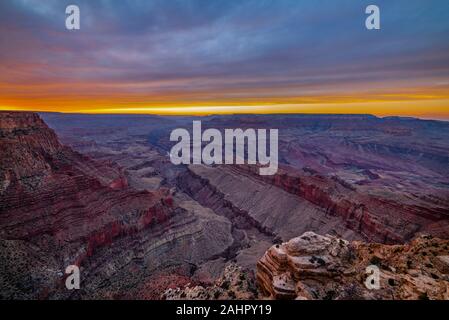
(324, 267)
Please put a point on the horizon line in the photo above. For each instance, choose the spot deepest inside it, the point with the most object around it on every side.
(205, 114)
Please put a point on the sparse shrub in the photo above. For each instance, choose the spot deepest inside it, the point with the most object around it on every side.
(376, 260)
(434, 276)
(225, 285)
(330, 295)
(423, 296)
(409, 264)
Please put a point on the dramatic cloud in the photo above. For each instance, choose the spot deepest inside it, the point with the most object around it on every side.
(146, 55)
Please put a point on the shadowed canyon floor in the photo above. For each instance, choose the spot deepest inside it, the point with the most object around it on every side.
(108, 199)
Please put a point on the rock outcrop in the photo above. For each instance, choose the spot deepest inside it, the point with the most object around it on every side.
(324, 267)
(234, 284)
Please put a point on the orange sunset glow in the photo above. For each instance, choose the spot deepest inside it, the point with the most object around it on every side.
(212, 60)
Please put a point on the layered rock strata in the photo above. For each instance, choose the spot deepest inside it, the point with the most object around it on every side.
(324, 267)
(60, 208)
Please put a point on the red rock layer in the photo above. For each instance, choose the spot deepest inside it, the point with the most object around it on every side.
(58, 207)
(377, 219)
(49, 189)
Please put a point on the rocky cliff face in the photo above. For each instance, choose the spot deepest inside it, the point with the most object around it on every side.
(324, 267)
(58, 208)
(375, 218)
(26, 145)
(270, 209)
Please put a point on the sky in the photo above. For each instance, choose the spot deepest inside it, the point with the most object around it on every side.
(226, 56)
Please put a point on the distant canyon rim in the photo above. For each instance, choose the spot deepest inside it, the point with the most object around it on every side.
(250, 144)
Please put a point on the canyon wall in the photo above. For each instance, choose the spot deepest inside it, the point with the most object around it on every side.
(58, 208)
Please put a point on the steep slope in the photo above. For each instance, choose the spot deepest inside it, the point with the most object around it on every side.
(269, 208)
(59, 208)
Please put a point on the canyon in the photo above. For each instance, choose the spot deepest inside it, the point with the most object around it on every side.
(98, 192)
